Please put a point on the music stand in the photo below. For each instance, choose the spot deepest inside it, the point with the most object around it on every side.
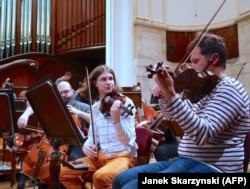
(8, 127)
(52, 113)
(56, 120)
(7, 116)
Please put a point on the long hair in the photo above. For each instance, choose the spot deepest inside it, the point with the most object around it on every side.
(95, 73)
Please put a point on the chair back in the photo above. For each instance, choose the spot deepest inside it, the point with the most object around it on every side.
(144, 140)
(247, 151)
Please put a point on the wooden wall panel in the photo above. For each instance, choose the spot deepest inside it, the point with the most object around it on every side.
(73, 25)
(80, 24)
(177, 42)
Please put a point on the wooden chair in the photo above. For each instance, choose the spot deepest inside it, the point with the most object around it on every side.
(8, 127)
(143, 139)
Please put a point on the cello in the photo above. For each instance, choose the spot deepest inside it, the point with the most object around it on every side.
(36, 163)
(71, 102)
(24, 143)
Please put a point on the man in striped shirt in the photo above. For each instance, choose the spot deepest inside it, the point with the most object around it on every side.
(214, 126)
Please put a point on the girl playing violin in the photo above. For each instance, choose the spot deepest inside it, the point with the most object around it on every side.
(110, 147)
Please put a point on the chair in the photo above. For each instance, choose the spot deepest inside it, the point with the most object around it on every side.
(143, 139)
(247, 151)
(8, 127)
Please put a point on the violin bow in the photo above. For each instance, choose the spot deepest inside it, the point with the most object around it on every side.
(31, 128)
(90, 103)
(205, 30)
(240, 70)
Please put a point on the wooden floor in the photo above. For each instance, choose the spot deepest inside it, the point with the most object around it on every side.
(5, 183)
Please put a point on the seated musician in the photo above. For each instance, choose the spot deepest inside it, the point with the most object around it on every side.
(78, 109)
(114, 149)
(215, 126)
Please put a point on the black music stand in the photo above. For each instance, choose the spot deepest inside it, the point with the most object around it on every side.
(7, 116)
(8, 126)
(57, 123)
(52, 113)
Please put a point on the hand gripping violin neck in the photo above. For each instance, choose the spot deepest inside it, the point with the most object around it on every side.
(191, 84)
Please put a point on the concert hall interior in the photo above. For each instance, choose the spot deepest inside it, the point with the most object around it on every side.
(47, 39)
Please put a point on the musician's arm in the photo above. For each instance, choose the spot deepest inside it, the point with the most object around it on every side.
(23, 119)
(82, 114)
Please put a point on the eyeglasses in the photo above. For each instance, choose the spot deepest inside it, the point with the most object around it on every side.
(65, 92)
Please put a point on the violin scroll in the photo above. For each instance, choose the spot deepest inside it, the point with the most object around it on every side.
(153, 69)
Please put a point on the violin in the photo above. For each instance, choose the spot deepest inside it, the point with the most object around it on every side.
(192, 84)
(109, 99)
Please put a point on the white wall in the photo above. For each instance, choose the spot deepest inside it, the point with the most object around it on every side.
(189, 13)
(153, 17)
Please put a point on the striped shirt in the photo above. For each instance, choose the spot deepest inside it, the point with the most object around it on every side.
(114, 139)
(215, 128)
